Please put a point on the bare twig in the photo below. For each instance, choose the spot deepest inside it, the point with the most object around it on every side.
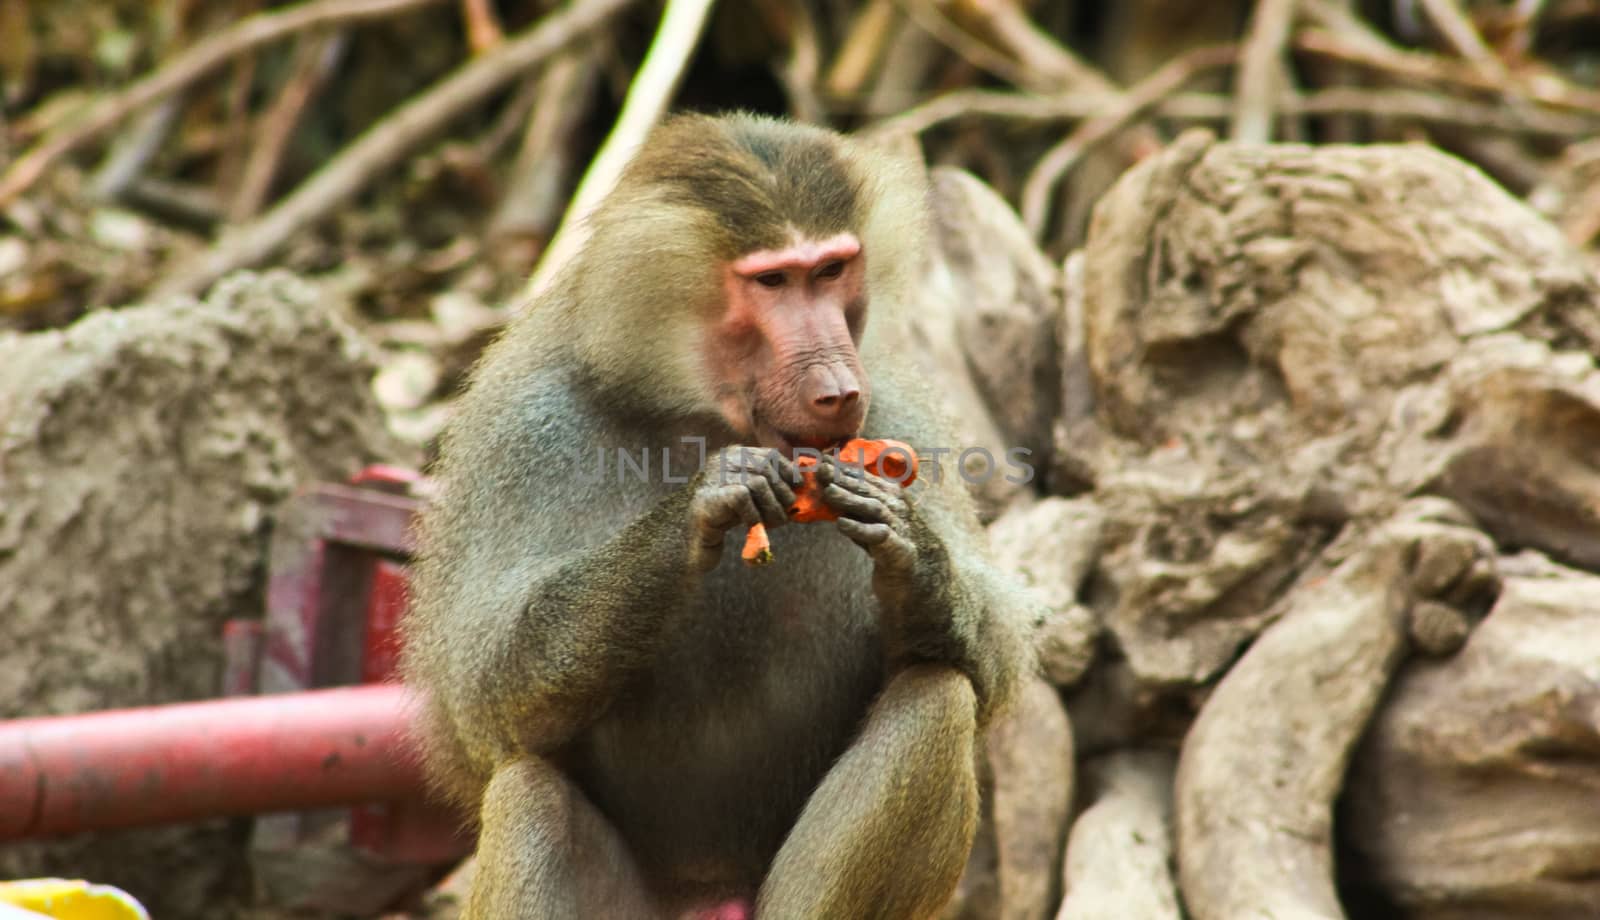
(1434, 69)
(1342, 129)
(1261, 68)
(1037, 51)
(911, 54)
(183, 71)
(1397, 104)
(137, 146)
(1464, 38)
(1353, 41)
(928, 17)
(968, 103)
(681, 25)
(384, 144)
(1040, 188)
(532, 203)
(1337, 17)
(855, 62)
(1581, 223)
(1512, 161)
(483, 26)
(315, 60)
(799, 72)
(133, 151)
(511, 122)
(235, 121)
(187, 204)
(1526, 15)
(1430, 107)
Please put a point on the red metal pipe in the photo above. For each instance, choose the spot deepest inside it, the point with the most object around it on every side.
(191, 761)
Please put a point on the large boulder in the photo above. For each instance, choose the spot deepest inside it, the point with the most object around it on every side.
(1284, 339)
(1476, 793)
(142, 454)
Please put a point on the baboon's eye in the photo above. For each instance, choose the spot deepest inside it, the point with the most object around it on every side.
(770, 279)
(831, 270)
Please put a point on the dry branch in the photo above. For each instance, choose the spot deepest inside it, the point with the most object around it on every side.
(383, 145)
(1399, 104)
(1261, 69)
(1009, 26)
(132, 152)
(907, 60)
(1144, 96)
(931, 19)
(1444, 110)
(800, 71)
(1464, 38)
(234, 117)
(186, 69)
(511, 122)
(1524, 25)
(968, 103)
(483, 26)
(537, 188)
(1581, 223)
(855, 62)
(315, 61)
(1430, 68)
(652, 88)
(1037, 51)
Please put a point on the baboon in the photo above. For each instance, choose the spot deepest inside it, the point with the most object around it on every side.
(646, 726)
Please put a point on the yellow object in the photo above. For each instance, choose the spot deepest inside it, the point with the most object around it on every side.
(64, 899)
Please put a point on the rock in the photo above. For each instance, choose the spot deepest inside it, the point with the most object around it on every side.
(1052, 544)
(1119, 857)
(1476, 793)
(1030, 755)
(1227, 281)
(406, 381)
(984, 326)
(1065, 644)
(142, 452)
(1509, 433)
(1265, 760)
(1079, 445)
(1012, 297)
(1112, 708)
(1026, 781)
(1192, 564)
(977, 895)
(1283, 339)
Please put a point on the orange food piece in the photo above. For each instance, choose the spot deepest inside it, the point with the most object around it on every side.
(881, 457)
(757, 546)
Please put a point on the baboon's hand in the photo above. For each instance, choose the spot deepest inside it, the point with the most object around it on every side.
(740, 486)
(911, 568)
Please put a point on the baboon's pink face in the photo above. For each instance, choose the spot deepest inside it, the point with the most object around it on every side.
(783, 353)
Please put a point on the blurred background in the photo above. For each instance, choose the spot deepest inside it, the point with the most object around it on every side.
(166, 126)
(1290, 300)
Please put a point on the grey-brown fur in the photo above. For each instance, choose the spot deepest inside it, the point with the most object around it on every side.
(643, 721)
(756, 175)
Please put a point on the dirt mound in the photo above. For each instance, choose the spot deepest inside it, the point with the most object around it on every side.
(142, 454)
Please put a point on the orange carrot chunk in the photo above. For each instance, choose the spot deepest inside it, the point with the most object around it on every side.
(889, 459)
(757, 546)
